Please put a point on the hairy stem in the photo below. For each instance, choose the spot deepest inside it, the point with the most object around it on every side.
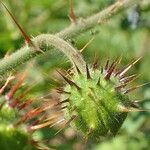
(26, 53)
(72, 53)
(96, 19)
(43, 41)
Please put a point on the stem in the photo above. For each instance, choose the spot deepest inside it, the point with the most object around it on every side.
(96, 19)
(26, 53)
(41, 42)
(72, 53)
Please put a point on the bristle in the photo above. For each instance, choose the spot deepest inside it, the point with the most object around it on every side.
(123, 71)
(106, 66)
(48, 96)
(135, 105)
(62, 120)
(88, 72)
(10, 95)
(60, 90)
(64, 107)
(13, 103)
(39, 126)
(27, 38)
(70, 71)
(118, 87)
(129, 78)
(112, 65)
(31, 114)
(7, 54)
(139, 101)
(119, 60)
(102, 70)
(126, 109)
(49, 106)
(112, 68)
(95, 64)
(98, 82)
(134, 88)
(6, 83)
(39, 120)
(25, 104)
(64, 101)
(48, 121)
(109, 72)
(66, 124)
(72, 14)
(131, 89)
(35, 112)
(24, 93)
(67, 75)
(71, 83)
(79, 72)
(54, 116)
(86, 45)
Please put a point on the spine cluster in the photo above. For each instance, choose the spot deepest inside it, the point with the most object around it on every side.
(97, 102)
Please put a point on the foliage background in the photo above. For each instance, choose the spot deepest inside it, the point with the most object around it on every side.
(116, 36)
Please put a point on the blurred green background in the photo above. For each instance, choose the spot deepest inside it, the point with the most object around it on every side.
(126, 34)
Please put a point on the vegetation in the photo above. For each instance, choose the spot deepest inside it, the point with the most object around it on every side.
(38, 110)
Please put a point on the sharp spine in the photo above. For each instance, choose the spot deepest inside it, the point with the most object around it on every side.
(27, 38)
(112, 68)
(134, 88)
(64, 101)
(14, 89)
(106, 66)
(102, 70)
(59, 90)
(129, 78)
(66, 124)
(131, 109)
(71, 83)
(79, 72)
(87, 44)
(72, 15)
(98, 82)
(88, 72)
(123, 71)
(118, 87)
(95, 62)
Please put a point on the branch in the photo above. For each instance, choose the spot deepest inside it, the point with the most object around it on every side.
(96, 19)
(45, 41)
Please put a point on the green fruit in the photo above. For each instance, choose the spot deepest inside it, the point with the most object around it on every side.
(97, 101)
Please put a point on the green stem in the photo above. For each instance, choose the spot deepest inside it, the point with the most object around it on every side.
(41, 42)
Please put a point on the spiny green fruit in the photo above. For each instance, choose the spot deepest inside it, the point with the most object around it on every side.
(97, 102)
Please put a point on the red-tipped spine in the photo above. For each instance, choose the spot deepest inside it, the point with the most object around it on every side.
(72, 14)
(24, 34)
